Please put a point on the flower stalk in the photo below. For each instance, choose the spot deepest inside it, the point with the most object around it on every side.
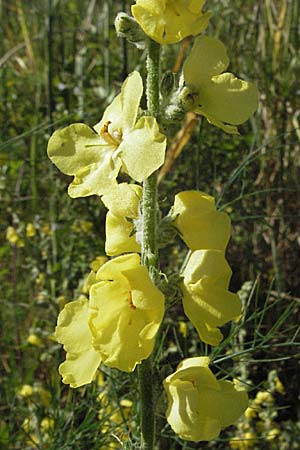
(149, 252)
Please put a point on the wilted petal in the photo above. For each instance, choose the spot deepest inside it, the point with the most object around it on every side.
(143, 149)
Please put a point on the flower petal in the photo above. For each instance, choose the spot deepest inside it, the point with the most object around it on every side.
(74, 148)
(118, 236)
(74, 333)
(132, 90)
(143, 149)
(206, 299)
(80, 368)
(168, 22)
(95, 179)
(228, 99)
(207, 58)
(207, 263)
(200, 224)
(72, 326)
(123, 200)
(112, 270)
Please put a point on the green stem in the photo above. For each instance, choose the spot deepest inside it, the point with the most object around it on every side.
(149, 253)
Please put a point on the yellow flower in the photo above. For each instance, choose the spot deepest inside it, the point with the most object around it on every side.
(30, 230)
(199, 405)
(183, 328)
(278, 385)
(33, 339)
(248, 440)
(250, 413)
(117, 326)
(169, 21)
(44, 394)
(123, 204)
(222, 98)
(263, 397)
(82, 360)
(25, 391)
(126, 312)
(47, 424)
(46, 229)
(200, 224)
(273, 433)
(13, 237)
(206, 299)
(82, 226)
(95, 156)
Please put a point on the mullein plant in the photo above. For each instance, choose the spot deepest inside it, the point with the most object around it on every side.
(117, 323)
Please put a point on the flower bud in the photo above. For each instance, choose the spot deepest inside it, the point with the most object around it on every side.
(128, 28)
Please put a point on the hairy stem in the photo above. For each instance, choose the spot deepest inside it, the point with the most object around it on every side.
(149, 253)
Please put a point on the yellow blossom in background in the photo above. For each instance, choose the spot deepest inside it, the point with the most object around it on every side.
(44, 395)
(200, 225)
(225, 101)
(250, 413)
(273, 434)
(26, 390)
(207, 302)
(123, 205)
(72, 330)
(120, 140)
(248, 440)
(199, 405)
(33, 339)
(169, 21)
(13, 237)
(182, 328)
(126, 312)
(30, 230)
(263, 397)
(82, 226)
(47, 424)
(278, 385)
(46, 229)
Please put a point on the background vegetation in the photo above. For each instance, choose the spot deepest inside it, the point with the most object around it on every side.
(61, 62)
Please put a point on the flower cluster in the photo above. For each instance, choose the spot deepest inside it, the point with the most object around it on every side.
(116, 322)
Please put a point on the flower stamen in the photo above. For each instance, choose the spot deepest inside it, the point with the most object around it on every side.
(107, 136)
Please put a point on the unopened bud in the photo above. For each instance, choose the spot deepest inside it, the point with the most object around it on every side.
(128, 28)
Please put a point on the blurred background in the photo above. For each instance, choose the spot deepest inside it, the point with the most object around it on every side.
(61, 62)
